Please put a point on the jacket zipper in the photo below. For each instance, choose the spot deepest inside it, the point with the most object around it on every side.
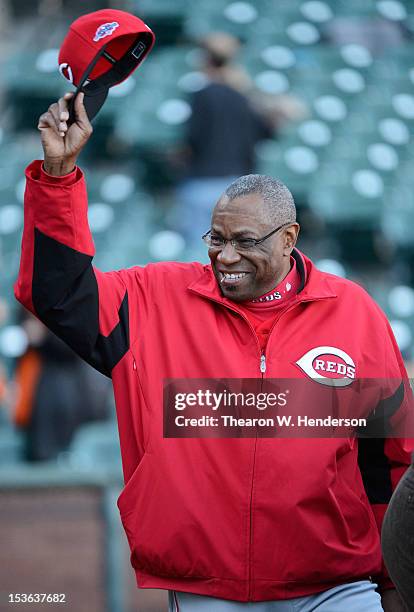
(262, 358)
(263, 364)
(262, 368)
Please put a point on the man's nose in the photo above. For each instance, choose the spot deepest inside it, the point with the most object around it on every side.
(228, 254)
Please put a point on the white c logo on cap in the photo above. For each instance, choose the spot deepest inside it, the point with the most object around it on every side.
(69, 76)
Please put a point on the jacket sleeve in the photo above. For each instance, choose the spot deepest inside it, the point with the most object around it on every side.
(383, 460)
(88, 309)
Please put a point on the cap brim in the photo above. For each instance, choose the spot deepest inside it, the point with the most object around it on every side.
(93, 101)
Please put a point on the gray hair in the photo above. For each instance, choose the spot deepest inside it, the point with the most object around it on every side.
(279, 200)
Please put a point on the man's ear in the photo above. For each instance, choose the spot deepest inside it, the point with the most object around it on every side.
(290, 238)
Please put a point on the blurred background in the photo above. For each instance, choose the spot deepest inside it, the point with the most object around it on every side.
(317, 93)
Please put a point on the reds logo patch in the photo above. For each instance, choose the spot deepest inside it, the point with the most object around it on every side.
(106, 29)
(328, 365)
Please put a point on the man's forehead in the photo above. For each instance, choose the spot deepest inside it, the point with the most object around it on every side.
(249, 208)
(242, 215)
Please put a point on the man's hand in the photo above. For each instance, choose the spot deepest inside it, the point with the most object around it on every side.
(391, 601)
(62, 144)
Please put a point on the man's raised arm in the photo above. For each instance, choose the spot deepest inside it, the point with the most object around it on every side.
(88, 309)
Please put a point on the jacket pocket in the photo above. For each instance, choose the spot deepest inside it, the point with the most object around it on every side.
(172, 527)
(127, 499)
(355, 517)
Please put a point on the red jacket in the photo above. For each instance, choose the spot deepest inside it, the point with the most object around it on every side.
(244, 519)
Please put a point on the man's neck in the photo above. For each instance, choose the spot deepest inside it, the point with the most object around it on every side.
(290, 263)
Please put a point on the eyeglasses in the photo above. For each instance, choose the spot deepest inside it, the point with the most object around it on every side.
(215, 241)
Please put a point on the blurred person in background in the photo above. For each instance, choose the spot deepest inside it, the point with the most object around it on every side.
(55, 393)
(227, 120)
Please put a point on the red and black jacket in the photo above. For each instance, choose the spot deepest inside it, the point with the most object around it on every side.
(245, 519)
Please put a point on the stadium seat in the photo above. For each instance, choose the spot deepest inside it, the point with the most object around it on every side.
(233, 17)
(317, 12)
(330, 108)
(320, 58)
(401, 55)
(164, 17)
(342, 196)
(401, 301)
(293, 165)
(395, 11)
(397, 219)
(354, 8)
(32, 83)
(268, 56)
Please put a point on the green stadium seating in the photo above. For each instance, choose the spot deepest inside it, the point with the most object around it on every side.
(397, 221)
(363, 103)
(354, 8)
(31, 78)
(293, 165)
(165, 18)
(203, 18)
(343, 205)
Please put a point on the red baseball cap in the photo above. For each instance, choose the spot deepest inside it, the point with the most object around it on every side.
(100, 50)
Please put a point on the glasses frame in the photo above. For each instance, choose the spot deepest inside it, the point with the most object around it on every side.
(234, 240)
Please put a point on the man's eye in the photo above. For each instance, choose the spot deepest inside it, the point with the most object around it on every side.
(246, 243)
(216, 240)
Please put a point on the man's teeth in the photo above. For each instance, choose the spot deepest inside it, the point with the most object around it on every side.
(233, 276)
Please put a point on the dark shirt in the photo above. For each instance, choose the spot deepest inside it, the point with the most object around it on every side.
(222, 132)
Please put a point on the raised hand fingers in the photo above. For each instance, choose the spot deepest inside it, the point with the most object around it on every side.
(63, 107)
(47, 121)
(54, 112)
(56, 116)
(63, 113)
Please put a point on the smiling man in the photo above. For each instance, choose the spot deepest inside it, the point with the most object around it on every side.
(248, 260)
(272, 525)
